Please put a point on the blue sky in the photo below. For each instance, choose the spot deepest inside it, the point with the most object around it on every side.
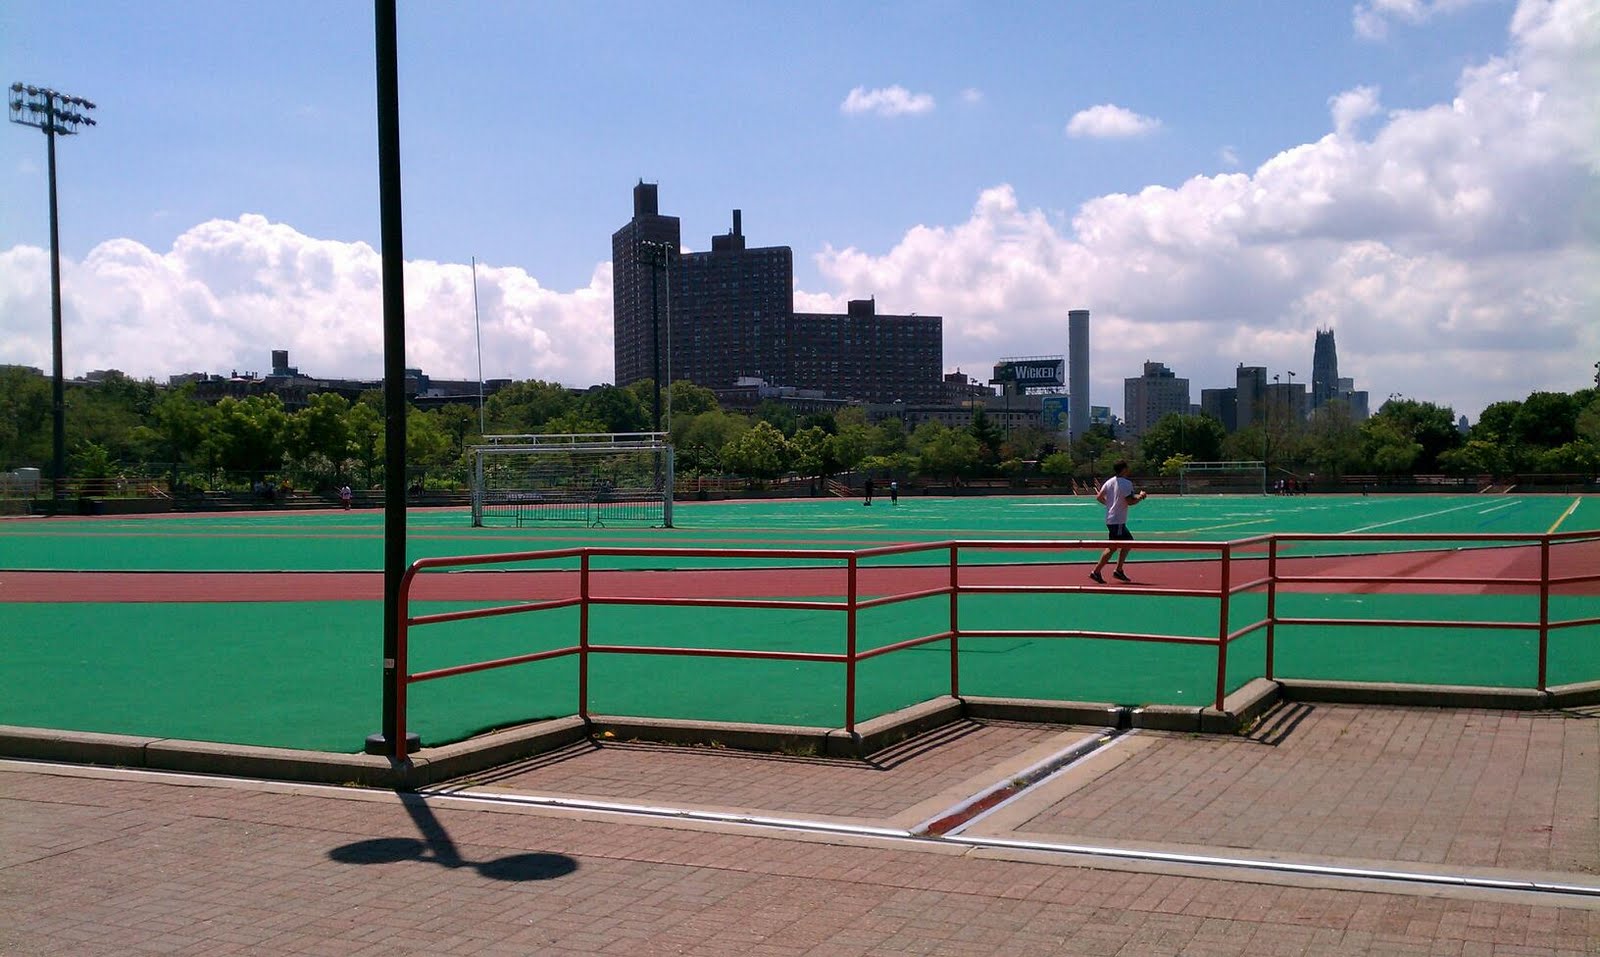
(218, 209)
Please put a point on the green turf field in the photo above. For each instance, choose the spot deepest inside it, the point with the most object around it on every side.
(306, 674)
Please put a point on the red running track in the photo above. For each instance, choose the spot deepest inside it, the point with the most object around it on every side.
(1391, 572)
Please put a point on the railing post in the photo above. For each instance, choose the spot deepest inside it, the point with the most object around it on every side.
(1272, 605)
(1544, 612)
(583, 635)
(1222, 626)
(955, 630)
(850, 648)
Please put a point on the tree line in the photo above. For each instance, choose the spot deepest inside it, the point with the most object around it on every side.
(125, 429)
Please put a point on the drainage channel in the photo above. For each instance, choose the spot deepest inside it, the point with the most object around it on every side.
(955, 819)
(1105, 852)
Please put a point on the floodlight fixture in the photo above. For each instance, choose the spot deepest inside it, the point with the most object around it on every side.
(56, 114)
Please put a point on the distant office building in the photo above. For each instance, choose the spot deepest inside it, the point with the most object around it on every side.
(1324, 370)
(1250, 392)
(731, 309)
(728, 314)
(1286, 402)
(637, 308)
(864, 355)
(1222, 405)
(1355, 400)
(1156, 393)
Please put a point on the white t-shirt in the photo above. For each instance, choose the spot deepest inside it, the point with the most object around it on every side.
(1116, 491)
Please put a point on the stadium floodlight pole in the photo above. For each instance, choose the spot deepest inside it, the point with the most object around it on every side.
(394, 375)
(477, 329)
(55, 113)
(654, 254)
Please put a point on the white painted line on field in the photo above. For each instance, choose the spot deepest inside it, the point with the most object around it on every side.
(1410, 518)
(1496, 508)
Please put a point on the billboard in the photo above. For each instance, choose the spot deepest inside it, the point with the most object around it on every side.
(1054, 409)
(1029, 373)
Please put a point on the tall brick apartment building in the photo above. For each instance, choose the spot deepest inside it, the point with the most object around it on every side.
(729, 313)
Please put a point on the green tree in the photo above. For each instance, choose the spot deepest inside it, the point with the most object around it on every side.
(1333, 441)
(318, 439)
(365, 425)
(249, 434)
(988, 435)
(24, 418)
(460, 422)
(690, 399)
(524, 407)
(428, 444)
(1404, 422)
(1390, 450)
(1198, 437)
(945, 452)
(759, 452)
(1477, 457)
(177, 430)
(811, 456)
(699, 439)
(780, 416)
(618, 410)
(850, 444)
(1546, 420)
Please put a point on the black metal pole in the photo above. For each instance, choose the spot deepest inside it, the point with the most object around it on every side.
(655, 338)
(394, 363)
(58, 398)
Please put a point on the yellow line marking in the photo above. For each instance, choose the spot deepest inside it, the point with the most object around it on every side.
(1570, 509)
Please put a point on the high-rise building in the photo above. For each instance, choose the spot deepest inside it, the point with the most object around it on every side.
(1250, 391)
(728, 315)
(1324, 370)
(730, 311)
(633, 314)
(1222, 405)
(1156, 393)
(867, 356)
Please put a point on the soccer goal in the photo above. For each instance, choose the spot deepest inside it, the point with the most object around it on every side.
(593, 480)
(1222, 478)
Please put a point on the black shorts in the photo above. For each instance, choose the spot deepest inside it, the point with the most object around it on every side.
(1119, 533)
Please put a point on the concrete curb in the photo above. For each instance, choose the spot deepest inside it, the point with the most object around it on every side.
(435, 764)
(1238, 710)
(1575, 695)
(1414, 696)
(1097, 714)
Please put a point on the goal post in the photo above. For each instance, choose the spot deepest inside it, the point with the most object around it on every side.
(589, 479)
(1222, 478)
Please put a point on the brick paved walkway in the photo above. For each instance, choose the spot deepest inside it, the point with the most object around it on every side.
(99, 862)
(101, 867)
(1470, 788)
(903, 784)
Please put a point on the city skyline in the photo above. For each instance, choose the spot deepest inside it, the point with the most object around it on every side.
(1420, 178)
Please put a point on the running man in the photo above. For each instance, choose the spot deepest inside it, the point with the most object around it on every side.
(1117, 495)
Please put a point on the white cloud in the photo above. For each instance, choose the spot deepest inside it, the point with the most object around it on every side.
(1372, 17)
(228, 292)
(1351, 107)
(886, 101)
(1454, 250)
(1229, 157)
(1108, 121)
(971, 96)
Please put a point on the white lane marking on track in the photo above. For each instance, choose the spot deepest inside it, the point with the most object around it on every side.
(1410, 518)
(1496, 508)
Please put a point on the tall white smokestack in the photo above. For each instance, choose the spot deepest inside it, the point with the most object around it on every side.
(1078, 372)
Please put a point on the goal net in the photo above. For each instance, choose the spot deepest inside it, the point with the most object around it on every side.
(595, 479)
(1222, 478)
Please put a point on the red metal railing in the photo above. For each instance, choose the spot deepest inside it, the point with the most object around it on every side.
(1227, 554)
